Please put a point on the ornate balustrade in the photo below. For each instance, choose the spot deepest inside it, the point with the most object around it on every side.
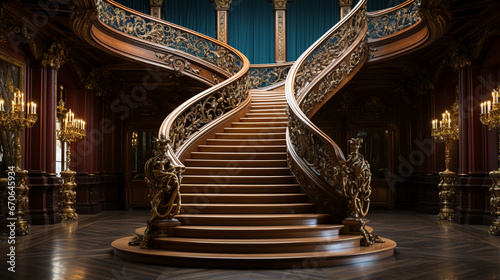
(390, 21)
(183, 51)
(265, 75)
(338, 185)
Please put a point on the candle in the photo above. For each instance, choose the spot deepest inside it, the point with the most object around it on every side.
(22, 106)
(84, 125)
(35, 108)
(488, 107)
(482, 108)
(1, 105)
(13, 106)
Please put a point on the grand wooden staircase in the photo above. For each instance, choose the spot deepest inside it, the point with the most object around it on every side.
(261, 185)
(241, 207)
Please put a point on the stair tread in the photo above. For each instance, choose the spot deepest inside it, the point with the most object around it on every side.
(260, 241)
(247, 228)
(255, 216)
(253, 205)
(122, 244)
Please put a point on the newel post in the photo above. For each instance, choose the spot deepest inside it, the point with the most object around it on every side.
(163, 180)
(354, 178)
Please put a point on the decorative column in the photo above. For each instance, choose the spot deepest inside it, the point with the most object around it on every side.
(345, 7)
(490, 116)
(155, 8)
(222, 6)
(447, 131)
(279, 30)
(52, 60)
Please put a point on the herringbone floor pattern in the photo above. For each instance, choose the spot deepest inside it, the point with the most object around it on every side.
(427, 249)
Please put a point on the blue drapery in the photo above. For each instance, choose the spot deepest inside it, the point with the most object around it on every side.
(141, 5)
(307, 21)
(197, 15)
(375, 5)
(251, 29)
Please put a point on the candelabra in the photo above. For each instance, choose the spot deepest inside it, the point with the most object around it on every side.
(490, 116)
(446, 131)
(18, 116)
(72, 129)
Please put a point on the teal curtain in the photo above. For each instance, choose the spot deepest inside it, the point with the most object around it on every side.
(375, 5)
(307, 21)
(197, 15)
(251, 29)
(138, 5)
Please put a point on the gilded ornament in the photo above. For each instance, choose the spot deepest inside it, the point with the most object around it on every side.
(163, 180)
(155, 3)
(265, 76)
(279, 4)
(222, 4)
(393, 22)
(168, 36)
(179, 64)
(447, 131)
(212, 107)
(56, 56)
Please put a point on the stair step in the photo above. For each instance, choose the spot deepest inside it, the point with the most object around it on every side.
(227, 179)
(265, 198)
(263, 119)
(259, 124)
(277, 135)
(248, 208)
(252, 246)
(235, 156)
(205, 188)
(290, 261)
(269, 111)
(270, 103)
(256, 100)
(252, 219)
(237, 170)
(257, 231)
(262, 129)
(244, 142)
(235, 163)
(269, 115)
(270, 106)
(246, 149)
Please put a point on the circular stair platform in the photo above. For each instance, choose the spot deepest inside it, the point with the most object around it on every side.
(309, 259)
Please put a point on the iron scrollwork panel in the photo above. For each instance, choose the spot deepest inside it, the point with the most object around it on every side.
(395, 21)
(329, 50)
(265, 76)
(169, 36)
(207, 110)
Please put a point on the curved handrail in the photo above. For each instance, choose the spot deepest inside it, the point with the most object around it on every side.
(390, 21)
(187, 120)
(170, 35)
(319, 73)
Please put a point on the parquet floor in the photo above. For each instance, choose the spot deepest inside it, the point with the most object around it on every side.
(427, 249)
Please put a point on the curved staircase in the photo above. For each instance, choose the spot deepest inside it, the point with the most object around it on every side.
(262, 186)
(242, 208)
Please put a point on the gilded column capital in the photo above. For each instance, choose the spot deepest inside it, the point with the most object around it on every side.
(279, 4)
(222, 5)
(56, 55)
(155, 3)
(459, 55)
(343, 3)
